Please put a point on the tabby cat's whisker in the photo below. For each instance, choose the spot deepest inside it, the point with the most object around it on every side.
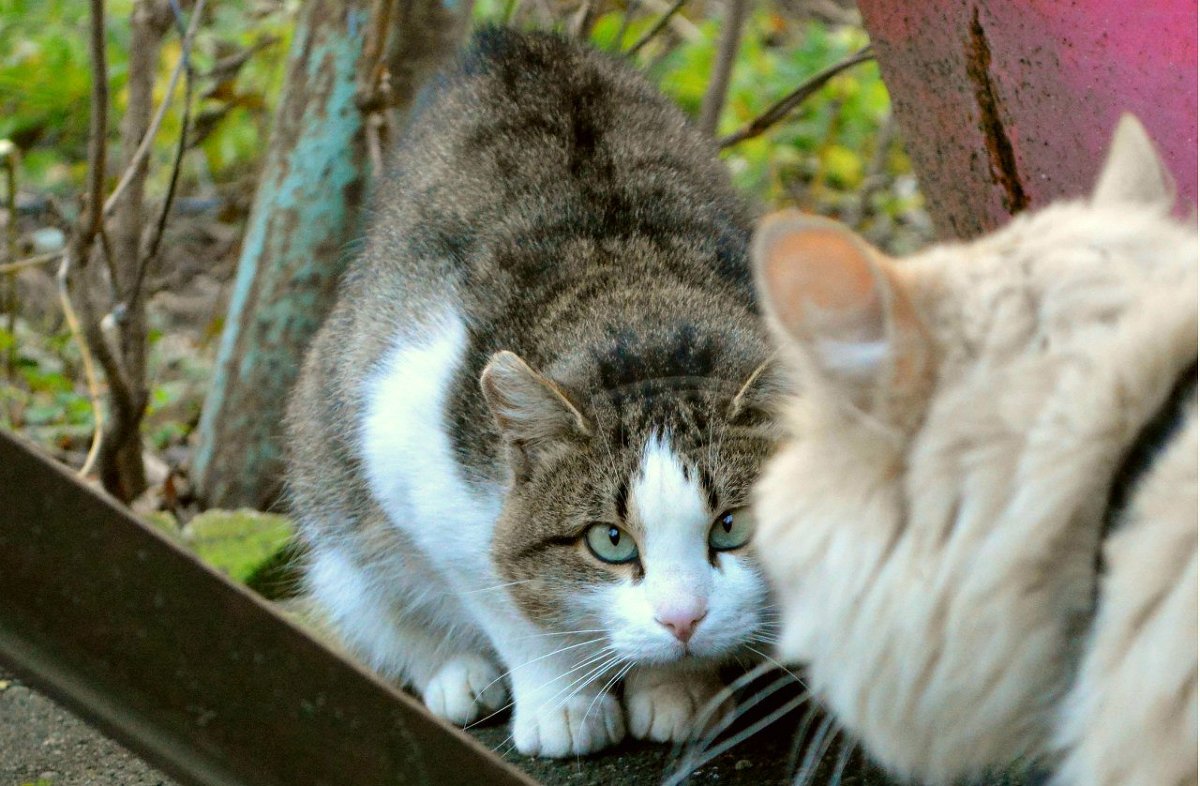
(559, 633)
(621, 672)
(523, 665)
(543, 657)
(581, 682)
(496, 587)
(590, 659)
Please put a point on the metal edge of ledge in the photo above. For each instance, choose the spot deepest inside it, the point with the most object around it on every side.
(194, 673)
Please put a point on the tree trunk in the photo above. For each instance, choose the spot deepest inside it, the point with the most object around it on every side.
(305, 213)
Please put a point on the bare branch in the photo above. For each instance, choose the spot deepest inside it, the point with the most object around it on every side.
(656, 28)
(631, 7)
(83, 237)
(11, 159)
(21, 264)
(718, 81)
(89, 368)
(147, 142)
(93, 216)
(783, 107)
(185, 124)
(584, 20)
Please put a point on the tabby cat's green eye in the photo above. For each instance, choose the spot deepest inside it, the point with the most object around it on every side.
(731, 530)
(611, 543)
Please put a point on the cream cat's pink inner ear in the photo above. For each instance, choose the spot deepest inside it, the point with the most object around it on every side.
(830, 294)
(842, 311)
(528, 406)
(1133, 172)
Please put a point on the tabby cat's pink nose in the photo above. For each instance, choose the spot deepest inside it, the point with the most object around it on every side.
(682, 623)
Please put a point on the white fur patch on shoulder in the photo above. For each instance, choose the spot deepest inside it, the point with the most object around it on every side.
(664, 495)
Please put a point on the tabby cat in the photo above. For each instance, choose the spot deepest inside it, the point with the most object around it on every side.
(522, 440)
(982, 525)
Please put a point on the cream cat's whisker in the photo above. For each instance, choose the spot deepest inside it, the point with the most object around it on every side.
(698, 747)
(714, 704)
(845, 751)
(815, 752)
(777, 664)
(801, 734)
(683, 773)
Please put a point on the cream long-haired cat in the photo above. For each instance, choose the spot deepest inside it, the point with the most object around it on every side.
(982, 527)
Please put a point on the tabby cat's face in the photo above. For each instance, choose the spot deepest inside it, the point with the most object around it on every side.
(930, 525)
(639, 537)
(653, 552)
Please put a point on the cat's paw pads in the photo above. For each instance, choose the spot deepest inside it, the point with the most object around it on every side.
(465, 689)
(670, 711)
(583, 724)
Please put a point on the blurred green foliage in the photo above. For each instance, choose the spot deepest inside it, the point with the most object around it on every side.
(45, 83)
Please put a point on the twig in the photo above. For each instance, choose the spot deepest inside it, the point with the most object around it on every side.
(656, 28)
(21, 264)
(373, 92)
(93, 216)
(89, 368)
(82, 239)
(11, 159)
(584, 20)
(718, 81)
(631, 7)
(874, 177)
(781, 108)
(147, 142)
(184, 123)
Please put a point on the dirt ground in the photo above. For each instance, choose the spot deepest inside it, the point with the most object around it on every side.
(43, 744)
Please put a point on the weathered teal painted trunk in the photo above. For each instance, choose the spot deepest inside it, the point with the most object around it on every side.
(305, 214)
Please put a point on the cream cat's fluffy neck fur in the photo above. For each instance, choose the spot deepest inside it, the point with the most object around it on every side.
(935, 517)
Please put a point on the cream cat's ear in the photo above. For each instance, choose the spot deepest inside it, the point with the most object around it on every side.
(1133, 173)
(530, 408)
(835, 302)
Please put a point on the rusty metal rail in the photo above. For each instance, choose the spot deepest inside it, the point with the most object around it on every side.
(194, 673)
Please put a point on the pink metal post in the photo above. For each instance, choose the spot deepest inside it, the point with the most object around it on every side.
(1011, 103)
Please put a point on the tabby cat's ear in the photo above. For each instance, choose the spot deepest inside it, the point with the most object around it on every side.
(1133, 173)
(839, 306)
(531, 410)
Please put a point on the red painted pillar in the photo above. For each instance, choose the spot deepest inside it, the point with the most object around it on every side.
(1011, 103)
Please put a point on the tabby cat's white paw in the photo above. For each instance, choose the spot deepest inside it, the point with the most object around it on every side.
(669, 709)
(584, 724)
(465, 689)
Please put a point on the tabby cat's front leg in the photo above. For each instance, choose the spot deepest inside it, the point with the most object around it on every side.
(672, 704)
